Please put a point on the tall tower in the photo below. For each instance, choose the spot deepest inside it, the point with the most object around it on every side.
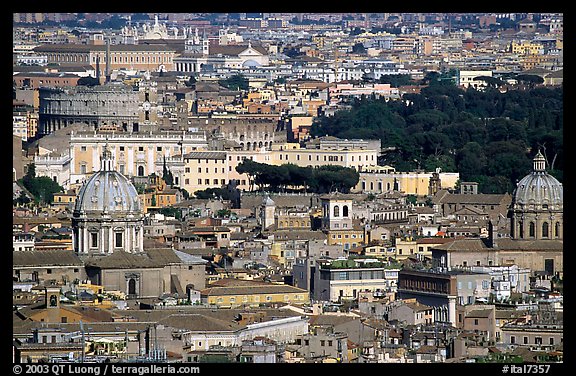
(336, 211)
(205, 44)
(268, 212)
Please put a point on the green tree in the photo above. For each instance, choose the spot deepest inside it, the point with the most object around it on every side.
(235, 82)
(42, 188)
(87, 81)
(358, 48)
(171, 211)
(167, 175)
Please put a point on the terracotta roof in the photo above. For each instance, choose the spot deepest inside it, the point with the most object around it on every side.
(475, 244)
(479, 199)
(45, 258)
(330, 320)
(198, 322)
(433, 240)
(254, 289)
(123, 260)
(479, 313)
(418, 307)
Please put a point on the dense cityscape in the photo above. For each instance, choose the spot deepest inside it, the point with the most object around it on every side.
(287, 188)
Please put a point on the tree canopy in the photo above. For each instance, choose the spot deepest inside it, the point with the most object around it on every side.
(42, 188)
(487, 136)
(323, 179)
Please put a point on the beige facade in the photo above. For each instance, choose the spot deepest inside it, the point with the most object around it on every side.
(381, 179)
(128, 56)
(203, 173)
(291, 218)
(135, 154)
(357, 159)
(254, 296)
(204, 169)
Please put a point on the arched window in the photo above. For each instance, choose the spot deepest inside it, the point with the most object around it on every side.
(336, 211)
(557, 229)
(521, 229)
(545, 230)
(532, 229)
(131, 286)
(345, 211)
(140, 170)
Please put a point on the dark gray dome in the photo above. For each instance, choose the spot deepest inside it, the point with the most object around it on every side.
(108, 191)
(539, 188)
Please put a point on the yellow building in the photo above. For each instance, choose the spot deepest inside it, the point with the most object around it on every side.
(293, 218)
(63, 200)
(157, 195)
(347, 238)
(381, 179)
(526, 48)
(420, 248)
(230, 293)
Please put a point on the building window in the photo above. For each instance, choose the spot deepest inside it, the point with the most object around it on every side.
(93, 240)
(118, 240)
(538, 340)
(545, 230)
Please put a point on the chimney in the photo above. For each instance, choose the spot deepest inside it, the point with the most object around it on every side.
(98, 69)
(492, 235)
(107, 60)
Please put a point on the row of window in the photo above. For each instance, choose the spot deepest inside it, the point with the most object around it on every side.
(118, 239)
(353, 236)
(537, 340)
(329, 158)
(187, 170)
(388, 187)
(256, 298)
(545, 230)
(207, 181)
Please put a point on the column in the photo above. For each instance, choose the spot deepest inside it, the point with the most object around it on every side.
(102, 237)
(85, 240)
(110, 240)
